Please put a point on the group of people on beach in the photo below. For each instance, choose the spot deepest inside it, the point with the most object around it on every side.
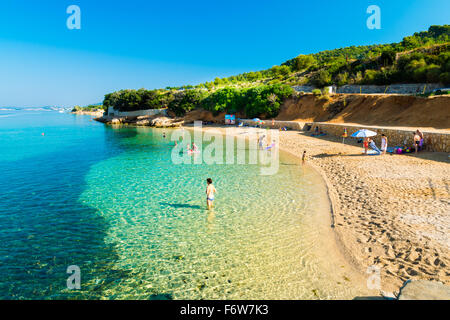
(369, 142)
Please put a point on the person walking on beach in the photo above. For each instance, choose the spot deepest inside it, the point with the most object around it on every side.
(384, 143)
(210, 190)
(304, 157)
(417, 139)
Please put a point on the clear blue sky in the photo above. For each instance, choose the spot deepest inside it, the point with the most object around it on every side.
(154, 44)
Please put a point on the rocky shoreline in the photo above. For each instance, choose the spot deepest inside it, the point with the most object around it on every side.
(149, 121)
(97, 113)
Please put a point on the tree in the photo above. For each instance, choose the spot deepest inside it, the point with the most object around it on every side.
(303, 62)
(388, 57)
(322, 78)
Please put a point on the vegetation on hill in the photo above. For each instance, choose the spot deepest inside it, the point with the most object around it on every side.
(89, 108)
(422, 57)
(254, 101)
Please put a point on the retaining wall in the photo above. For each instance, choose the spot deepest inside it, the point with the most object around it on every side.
(434, 141)
(413, 88)
(293, 125)
(138, 113)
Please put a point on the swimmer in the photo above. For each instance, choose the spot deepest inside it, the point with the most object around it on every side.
(210, 190)
(194, 147)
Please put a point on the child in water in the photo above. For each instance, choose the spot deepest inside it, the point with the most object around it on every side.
(210, 190)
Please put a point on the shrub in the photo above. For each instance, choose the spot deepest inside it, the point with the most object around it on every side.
(186, 101)
(303, 62)
(322, 78)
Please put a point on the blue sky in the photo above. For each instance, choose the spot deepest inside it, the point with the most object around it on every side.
(154, 44)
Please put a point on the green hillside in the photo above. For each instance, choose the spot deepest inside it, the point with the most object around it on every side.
(422, 57)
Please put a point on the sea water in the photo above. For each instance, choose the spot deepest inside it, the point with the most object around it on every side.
(74, 192)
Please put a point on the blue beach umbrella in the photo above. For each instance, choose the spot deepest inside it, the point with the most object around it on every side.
(364, 133)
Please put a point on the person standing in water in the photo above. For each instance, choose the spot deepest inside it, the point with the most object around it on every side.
(304, 157)
(210, 190)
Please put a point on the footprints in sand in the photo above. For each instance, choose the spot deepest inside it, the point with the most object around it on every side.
(391, 211)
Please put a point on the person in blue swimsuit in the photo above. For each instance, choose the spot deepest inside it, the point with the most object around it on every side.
(210, 190)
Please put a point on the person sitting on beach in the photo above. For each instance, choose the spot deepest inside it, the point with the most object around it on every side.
(384, 143)
(366, 145)
(210, 190)
(417, 139)
(373, 146)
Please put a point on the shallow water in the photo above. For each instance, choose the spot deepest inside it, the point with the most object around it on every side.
(111, 201)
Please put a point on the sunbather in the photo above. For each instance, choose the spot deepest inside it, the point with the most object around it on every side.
(373, 146)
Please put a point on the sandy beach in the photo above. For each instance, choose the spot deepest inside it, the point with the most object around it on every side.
(389, 211)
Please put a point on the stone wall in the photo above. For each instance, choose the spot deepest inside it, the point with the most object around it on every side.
(293, 125)
(437, 142)
(138, 113)
(390, 89)
(304, 88)
(434, 141)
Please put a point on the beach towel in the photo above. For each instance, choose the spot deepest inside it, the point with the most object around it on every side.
(390, 149)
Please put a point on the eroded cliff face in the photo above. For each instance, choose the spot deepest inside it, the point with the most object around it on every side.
(375, 110)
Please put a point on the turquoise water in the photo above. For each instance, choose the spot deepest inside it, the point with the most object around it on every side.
(110, 201)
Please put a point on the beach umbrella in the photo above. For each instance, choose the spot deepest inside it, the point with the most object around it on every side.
(364, 133)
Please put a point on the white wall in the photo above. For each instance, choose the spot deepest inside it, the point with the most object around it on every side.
(148, 112)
